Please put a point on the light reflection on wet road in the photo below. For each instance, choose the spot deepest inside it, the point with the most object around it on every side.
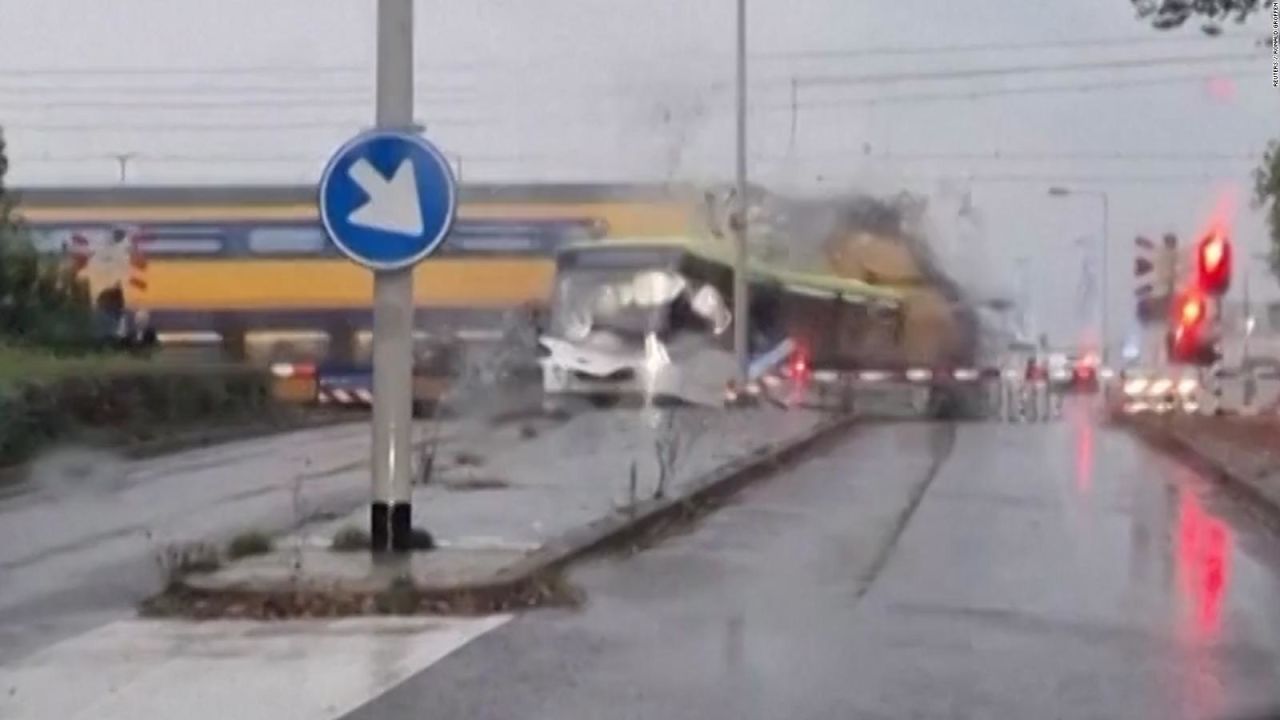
(1050, 570)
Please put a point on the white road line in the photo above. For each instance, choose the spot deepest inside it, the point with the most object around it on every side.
(305, 669)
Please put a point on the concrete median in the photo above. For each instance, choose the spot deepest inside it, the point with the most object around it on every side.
(505, 518)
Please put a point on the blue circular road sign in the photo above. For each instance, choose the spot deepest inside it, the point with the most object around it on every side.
(387, 199)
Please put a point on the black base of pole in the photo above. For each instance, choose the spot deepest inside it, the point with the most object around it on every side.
(402, 527)
(379, 527)
(391, 527)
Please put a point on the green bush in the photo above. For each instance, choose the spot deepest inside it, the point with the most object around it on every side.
(42, 304)
(132, 401)
(249, 543)
(351, 539)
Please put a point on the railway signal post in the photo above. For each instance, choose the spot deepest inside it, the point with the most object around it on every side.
(387, 200)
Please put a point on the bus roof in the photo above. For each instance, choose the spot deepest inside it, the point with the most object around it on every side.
(823, 283)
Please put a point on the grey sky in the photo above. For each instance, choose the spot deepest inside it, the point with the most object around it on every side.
(614, 89)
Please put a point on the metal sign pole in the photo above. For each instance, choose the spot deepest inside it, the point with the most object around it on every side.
(391, 509)
(1106, 280)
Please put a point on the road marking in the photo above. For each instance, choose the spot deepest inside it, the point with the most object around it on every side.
(305, 669)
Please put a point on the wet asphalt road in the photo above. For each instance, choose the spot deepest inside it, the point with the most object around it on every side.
(1060, 570)
(78, 543)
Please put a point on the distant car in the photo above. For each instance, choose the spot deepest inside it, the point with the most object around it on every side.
(1060, 372)
(1084, 374)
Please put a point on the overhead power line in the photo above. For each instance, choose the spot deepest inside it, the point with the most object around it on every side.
(990, 47)
(1013, 156)
(1118, 179)
(1049, 88)
(1023, 156)
(97, 70)
(260, 102)
(222, 126)
(165, 71)
(892, 77)
(253, 159)
(201, 94)
(186, 104)
(205, 89)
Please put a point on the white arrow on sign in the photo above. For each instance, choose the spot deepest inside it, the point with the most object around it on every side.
(393, 204)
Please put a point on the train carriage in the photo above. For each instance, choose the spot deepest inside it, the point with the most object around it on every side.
(248, 272)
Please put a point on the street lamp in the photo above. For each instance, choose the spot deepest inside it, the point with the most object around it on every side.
(1059, 191)
(1250, 320)
(122, 161)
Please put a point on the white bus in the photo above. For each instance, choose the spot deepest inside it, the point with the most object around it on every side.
(653, 319)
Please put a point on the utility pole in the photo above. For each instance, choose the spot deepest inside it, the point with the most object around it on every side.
(795, 110)
(1104, 270)
(738, 222)
(391, 511)
(1105, 284)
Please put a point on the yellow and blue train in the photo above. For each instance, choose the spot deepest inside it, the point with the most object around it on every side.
(248, 270)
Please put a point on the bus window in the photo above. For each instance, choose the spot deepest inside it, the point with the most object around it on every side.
(767, 328)
(286, 241)
(700, 272)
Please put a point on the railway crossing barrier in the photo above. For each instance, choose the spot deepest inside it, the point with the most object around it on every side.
(1002, 394)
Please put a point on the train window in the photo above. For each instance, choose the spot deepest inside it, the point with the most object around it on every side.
(622, 258)
(50, 241)
(177, 240)
(492, 244)
(287, 241)
(164, 245)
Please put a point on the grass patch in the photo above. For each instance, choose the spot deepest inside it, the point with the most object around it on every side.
(248, 544)
(29, 364)
(351, 539)
(178, 560)
(476, 483)
(548, 588)
(466, 458)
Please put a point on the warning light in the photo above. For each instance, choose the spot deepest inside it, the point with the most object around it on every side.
(799, 367)
(1213, 263)
(1192, 310)
(1190, 339)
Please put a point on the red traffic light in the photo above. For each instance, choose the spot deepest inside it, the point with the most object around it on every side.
(1213, 263)
(1190, 310)
(1190, 340)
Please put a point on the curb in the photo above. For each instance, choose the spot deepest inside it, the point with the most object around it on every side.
(1176, 444)
(525, 582)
